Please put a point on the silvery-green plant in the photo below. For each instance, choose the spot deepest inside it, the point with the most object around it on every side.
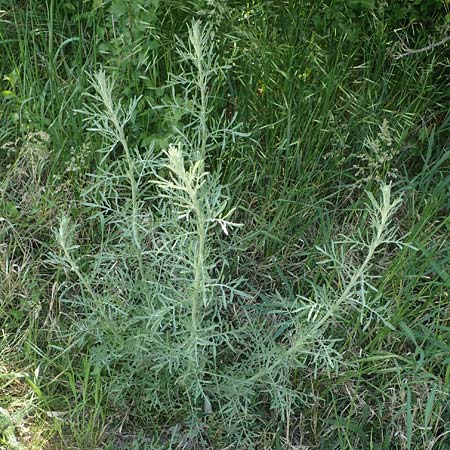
(151, 298)
(199, 81)
(165, 327)
(376, 162)
(302, 342)
(7, 430)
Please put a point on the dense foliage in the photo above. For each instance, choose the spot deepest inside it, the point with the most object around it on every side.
(224, 225)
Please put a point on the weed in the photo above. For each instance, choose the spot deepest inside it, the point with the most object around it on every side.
(231, 234)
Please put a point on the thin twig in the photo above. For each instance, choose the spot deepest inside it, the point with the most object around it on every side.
(409, 51)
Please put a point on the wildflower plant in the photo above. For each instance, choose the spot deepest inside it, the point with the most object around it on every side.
(150, 300)
(174, 337)
(302, 341)
(141, 332)
(377, 162)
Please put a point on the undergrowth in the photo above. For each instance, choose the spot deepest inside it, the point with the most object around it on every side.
(223, 226)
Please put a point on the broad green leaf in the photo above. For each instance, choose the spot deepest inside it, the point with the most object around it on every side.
(119, 7)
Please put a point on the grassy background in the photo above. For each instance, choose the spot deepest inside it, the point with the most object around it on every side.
(294, 341)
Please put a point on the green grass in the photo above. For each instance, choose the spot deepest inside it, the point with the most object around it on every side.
(223, 225)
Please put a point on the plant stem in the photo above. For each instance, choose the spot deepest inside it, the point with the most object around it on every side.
(376, 241)
(199, 280)
(132, 180)
(134, 197)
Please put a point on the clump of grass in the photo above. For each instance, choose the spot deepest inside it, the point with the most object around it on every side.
(25, 173)
(21, 424)
(23, 221)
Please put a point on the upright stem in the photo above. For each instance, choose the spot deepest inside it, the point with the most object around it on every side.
(197, 41)
(203, 114)
(198, 294)
(133, 187)
(377, 240)
(199, 276)
(84, 281)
